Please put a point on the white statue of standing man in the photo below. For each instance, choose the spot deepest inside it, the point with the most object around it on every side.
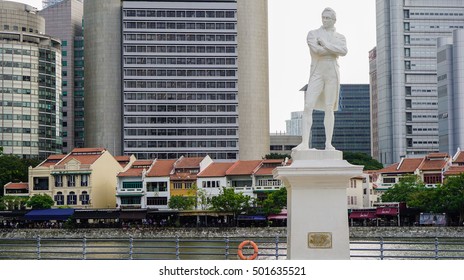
(323, 88)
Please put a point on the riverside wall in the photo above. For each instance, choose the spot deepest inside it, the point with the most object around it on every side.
(355, 232)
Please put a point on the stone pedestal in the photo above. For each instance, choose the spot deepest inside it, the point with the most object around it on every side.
(317, 219)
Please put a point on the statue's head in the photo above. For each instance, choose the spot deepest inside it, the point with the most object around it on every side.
(329, 17)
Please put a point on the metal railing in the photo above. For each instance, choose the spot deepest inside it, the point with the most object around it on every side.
(274, 248)
(410, 248)
(138, 249)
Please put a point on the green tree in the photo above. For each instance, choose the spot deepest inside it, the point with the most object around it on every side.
(14, 169)
(182, 202)
(362, 159)
(40, 201)
(276, 156)
(10, 202)
(230, 201)
(403, 190)
(451, 196)
(275, 201)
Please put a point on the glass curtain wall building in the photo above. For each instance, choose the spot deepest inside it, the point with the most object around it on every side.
(406, 69)
(30, 84)
(180, 92)
(63, 20)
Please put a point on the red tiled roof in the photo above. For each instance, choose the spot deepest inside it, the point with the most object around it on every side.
(454, 170)
(51, 160)
(136, 169)
(243, 167)
(189, 162)
(161, 168)
(428, 165)
(88, 150)
(459, 158)
(123, 160)
(407, 165)
(267, 166)
(438, 155)
(216, 169)
(83, 155)
(16, 186)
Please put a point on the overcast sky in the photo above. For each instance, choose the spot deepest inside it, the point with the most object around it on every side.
(289, 23)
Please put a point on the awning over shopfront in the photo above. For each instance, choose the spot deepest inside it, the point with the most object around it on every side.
(49, 214)
(133, 214)
(362, 215)
(96, 214)
(281, 216)
(251, 218)
(388, 211)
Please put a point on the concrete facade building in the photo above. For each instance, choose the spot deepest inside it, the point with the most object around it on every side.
(407, 32)
(181, 91)
(30, 84)
(102, 74)
(63, 20)
(450, 72)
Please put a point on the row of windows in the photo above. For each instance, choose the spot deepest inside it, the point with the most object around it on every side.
(71, 198)
(179, 84)
(161, 201)
(435, 14)
(18, 64)
(180, 144)
(181, 60)
(180, 37)
(179, 25)
(24, 130)
(213, 155)
(8, 77)
(211, 184)
(180, 108)
(181, 132)
(182, 185)
(180, 73)
(71, 180)
(180, 14)
(157, 186)
(7, 143)
(18, 51)
(179, 96)
(18, 117)
(18, 104)
(179, 49)
(180, 120)
(17, 90)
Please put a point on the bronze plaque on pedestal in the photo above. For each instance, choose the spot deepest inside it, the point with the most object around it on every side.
(320, 240)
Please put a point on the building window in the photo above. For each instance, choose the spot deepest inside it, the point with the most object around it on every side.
(432, 178)
(177, 186)
(59, 198)
(161, 201)
(72, 198)
(40, 183)
(84, 180)
(157, 186)
(129, 200)
(132, 185)
(389, 180)
(58, 180)
(84, 198)
(71, 180)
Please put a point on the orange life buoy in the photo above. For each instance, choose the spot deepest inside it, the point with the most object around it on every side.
(247, 243)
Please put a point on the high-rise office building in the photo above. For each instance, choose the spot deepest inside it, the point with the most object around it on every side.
(374, 103)
(30, 83)
(194, 78)
(48, 3)
(407, 32)
(450, 73)
(352, 122)
(63, 20)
